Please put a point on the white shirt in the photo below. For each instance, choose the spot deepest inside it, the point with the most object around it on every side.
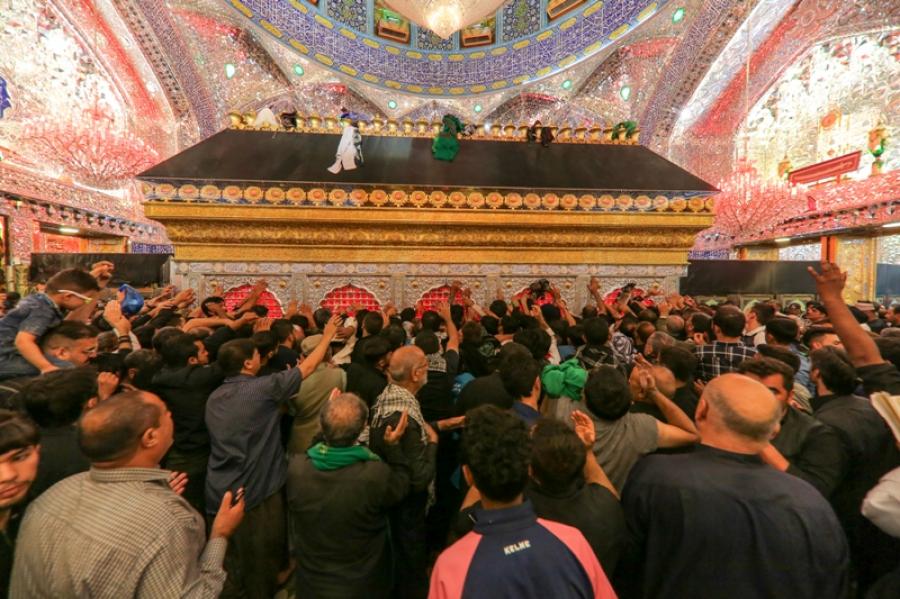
(882, 503)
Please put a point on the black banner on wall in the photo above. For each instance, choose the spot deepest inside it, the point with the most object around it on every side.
(139, 270)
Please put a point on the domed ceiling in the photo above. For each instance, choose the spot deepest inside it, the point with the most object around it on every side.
(169, 71)
(525, 41)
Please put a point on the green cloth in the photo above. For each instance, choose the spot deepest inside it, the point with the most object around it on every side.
(325, 457)
(565, 380)
(445, 148)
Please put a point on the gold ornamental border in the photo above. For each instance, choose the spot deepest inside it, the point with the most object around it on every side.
(240, 233)
(340, 197)
(407, 128)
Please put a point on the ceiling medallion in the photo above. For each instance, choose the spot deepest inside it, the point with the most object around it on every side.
(445, 17)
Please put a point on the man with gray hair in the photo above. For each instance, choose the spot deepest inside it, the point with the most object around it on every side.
(720, 523)
(655, 344)
(408, 372)
(338, 499)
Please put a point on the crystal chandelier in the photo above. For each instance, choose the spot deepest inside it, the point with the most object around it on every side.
(445, 17)
(92, 146)
(748, 205)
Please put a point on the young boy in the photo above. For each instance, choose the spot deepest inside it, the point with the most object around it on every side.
(21, 329)
(19, 455)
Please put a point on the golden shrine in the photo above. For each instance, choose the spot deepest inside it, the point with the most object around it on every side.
(261, 200)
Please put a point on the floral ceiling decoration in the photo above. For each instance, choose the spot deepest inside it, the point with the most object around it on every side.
(367, 57)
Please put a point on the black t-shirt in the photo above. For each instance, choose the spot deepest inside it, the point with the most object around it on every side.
(283, 359)
(686, 399)
(485, 390)
(365, 381)
(436, 397)
(590, 508)
(60, 458)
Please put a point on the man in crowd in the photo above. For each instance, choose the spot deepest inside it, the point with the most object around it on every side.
(408, 371)
(784, 332)
(567, 485)
(70, 344)
(22, 328)
(243, 418)
(727, 351)
(867, 443)
(596, 349)
(511, 552)
(623, 437)
(436, 396)
(285, 354)
(368, 378)
(19, 462)
(682, 363)
(816, 313)
(758, 316)
(312, 396)
(804, 446)
(55, 401)
(719, 523)
(185, 384)
(490, 389)
(119, 530)
(522, 380)
(338, 497)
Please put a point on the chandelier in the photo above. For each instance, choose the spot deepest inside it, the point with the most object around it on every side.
(91, 146)
(749, 205)
(445, 17)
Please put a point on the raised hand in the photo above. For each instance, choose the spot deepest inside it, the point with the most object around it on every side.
(443, 309)
(262, 324)
(584, 428)
(332, 326)
(830, 283)
(107, 383)
(102, 271)
(393, 435)
(112, 313)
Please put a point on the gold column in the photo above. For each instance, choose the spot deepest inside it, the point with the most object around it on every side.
(858, 256)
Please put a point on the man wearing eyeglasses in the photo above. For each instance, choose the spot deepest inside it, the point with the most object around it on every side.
(22, 328)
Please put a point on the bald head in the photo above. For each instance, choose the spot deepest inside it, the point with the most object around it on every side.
(404, 362)
(342, 419)
(740, 410)
(112, 430)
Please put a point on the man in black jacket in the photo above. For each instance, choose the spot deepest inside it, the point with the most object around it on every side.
(184, 385)
(338, 500)
(367, 379)
(804, 447)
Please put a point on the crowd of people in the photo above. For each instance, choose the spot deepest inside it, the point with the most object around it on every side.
(640, 447)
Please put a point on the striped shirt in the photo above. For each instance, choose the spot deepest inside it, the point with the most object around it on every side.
(115, 533)
(718, 358)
